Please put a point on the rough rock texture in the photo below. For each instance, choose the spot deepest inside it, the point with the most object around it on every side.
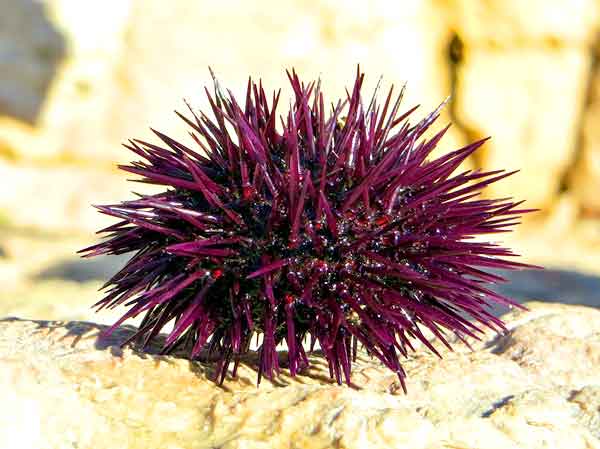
(522, 79)
(27, 64)
(403, 44)
(585, 179)
(538, 386)
(60, 198)
(78, 78)
(58, 66)
(118, 75)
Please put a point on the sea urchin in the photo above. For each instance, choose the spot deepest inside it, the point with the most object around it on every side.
(332, 224)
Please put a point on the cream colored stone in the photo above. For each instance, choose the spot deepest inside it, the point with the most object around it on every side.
(63, 77)
(98, 74)
(558, 237)
(402, 43)
(585, 178)
(123, 398)
(543, 346)
(515, 23)
(76, 118)
(119, 75)
(31, 49)
(588, 401)
(529, 101)
(60, 198)
(128, 64)
(540, 418)
(522, 80)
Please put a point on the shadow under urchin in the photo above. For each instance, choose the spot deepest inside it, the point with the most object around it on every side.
(327, 222)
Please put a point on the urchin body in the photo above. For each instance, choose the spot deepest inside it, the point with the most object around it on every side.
(332, 224)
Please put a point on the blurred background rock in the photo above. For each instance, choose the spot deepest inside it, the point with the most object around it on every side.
(79, 77)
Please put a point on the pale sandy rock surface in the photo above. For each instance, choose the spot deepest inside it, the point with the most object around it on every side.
(541, 151)
(512, 23)
(585, 181)
(118, 74)
(59, 66)
(321, 38)
(62, 386)
(522, 79)
(27, 64)
(78, 79)
(59, 198)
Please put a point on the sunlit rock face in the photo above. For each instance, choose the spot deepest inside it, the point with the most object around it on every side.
(515, 57)
(31, 48)
(62, 385)
(585, 178)
(77, 80)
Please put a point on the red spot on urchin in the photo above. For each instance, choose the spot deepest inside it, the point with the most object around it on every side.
(320, 265)
(246, 192)
(339, 208)
(382, 220)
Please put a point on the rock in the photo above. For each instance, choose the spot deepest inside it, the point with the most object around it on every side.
(76, 121)
(28, 255)
(532, 129)
(402, 43)
(117, 76)
(585, 178)
(522, 80)
(77, 79)
(58, 71)
(543, 342)
(559, 238)
(506, 24)
(31, 48)
(588, 401)
(60, 198)
(69, 388)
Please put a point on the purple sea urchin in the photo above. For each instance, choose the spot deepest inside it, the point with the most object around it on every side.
(333, 225)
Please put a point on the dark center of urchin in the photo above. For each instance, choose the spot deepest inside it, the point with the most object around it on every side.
(334, 226)
(327, 261)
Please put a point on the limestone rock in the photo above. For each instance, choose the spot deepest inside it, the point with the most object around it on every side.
(31, 49)
(63, 386)
(77, 118)
(58, 62)
(512, 96)
(60, 198)
(543, 344)
(403, 43)
(497, 24)
(115, 75)
(585, 179)
(522, 80)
